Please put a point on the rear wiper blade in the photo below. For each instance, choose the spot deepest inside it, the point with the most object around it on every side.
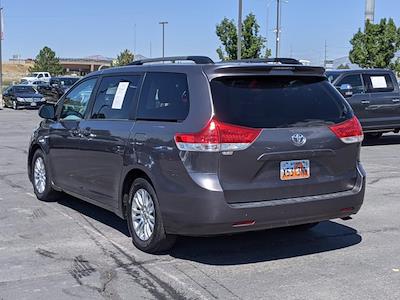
(309, 123)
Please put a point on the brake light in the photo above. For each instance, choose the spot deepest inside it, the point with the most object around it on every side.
(349, 131)
(217, 136)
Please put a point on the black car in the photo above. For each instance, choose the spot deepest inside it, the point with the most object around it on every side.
(374, 96)
(57, 87)
(22, 96)
(202, 149)
(64, 82)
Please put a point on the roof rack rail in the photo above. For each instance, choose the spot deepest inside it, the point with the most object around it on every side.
(196, 59)
(281, 60)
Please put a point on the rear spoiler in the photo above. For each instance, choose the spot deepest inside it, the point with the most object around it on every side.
(265, 69)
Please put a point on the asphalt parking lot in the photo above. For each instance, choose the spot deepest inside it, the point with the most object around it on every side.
(70, 249)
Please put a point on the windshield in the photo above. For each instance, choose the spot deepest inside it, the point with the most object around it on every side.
(64, 81)
(278, 101)
(24, 89)
(68, 81)
(332, 76)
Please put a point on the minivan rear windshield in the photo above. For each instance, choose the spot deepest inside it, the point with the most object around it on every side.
(278, 101)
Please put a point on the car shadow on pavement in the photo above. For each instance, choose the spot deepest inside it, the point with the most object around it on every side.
(242, 248)
(392, 139)
(265, 245)
(96, 213)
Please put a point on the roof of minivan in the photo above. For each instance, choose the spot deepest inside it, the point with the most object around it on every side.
(224, 68)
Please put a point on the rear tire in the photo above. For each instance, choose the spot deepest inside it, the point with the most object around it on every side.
(304, 227)
(41, 179)
(145, 221)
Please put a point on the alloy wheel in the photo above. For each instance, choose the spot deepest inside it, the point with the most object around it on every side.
(39, 174)
(143, 214)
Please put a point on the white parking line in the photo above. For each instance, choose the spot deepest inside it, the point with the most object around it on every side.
(186, 286)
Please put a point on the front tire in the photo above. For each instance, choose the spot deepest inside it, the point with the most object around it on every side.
(144, 219)
(41, 179)
(15, 105)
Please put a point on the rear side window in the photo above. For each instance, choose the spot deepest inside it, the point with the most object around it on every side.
(378, 83)
(116, 97)
(277, 101)
(164, 97)
(355, 81)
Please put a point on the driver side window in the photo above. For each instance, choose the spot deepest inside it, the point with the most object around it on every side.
(76, 101)
(355, 82)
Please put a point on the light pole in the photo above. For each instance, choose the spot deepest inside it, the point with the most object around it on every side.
(239, 34)
(369, 10)
(134, 39)
(278, 29)
(163, 36)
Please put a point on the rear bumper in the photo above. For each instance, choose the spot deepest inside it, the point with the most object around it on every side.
(210, 214)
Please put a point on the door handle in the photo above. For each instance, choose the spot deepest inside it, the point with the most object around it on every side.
(396, 100)
(365, 102)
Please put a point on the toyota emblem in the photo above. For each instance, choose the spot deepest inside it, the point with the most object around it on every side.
(298, 139)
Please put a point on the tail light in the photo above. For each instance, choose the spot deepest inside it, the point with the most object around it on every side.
(217, 136)
(349, 131)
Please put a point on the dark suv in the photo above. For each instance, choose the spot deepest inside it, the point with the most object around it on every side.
(202, 148)
(374, 96)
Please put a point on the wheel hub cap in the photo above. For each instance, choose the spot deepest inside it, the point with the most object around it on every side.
(143, 214)
(39, 175)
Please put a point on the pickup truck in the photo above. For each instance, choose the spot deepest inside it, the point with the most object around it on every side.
(35, 76)
(374, 96)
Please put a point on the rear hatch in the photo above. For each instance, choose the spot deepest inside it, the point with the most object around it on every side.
(298, 150)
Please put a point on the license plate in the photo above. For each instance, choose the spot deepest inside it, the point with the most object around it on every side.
(295, 169)
(33, 104)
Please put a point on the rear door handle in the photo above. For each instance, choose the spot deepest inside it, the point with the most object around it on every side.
(365, 102)
(396, 100)
(86, 132)
(75, 132)
(119, 149)
(140, 138)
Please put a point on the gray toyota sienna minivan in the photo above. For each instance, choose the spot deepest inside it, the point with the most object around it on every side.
(202, 148)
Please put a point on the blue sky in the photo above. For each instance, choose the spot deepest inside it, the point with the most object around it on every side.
(79, 28)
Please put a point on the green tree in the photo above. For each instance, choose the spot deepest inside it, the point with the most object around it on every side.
(124, 58)
(47, 61)
(396, 67)
(376, 46)
(343, 66)
(252, 41)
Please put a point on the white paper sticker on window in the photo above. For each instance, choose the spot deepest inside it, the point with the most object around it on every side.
(120, 95)
(378, 82)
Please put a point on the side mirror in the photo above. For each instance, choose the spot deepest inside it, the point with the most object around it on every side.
(346, 90)
(47, 111)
